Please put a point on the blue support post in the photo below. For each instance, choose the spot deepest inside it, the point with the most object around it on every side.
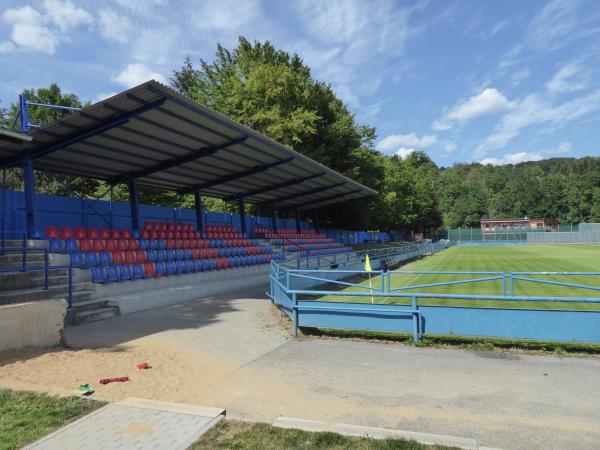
(297, 214)
(199, 213)
(30, 203)
(23, 113)
(242, 215)
(274, 217)
(133, 200)
(415, 320)
(295, 315)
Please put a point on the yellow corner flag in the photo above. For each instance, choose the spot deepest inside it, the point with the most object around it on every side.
(367, 264)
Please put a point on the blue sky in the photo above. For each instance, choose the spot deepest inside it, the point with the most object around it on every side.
(491, 81)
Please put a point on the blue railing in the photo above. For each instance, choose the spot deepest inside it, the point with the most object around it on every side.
(8, 234)
(570, 322)
(46, 268)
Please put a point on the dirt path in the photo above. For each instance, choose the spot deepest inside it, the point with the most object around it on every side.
(233, 352)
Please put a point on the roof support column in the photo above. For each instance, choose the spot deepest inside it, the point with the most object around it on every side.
(30, 199)
(133, 201)
(23, 113)
(242, 215)
(297, 214)
(200, 224)
(274, 217)
(317, 225)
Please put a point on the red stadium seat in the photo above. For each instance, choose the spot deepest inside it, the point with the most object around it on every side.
(115, 234)
(112, 245)
(179, 243)
(154, 234)
(123, 244)
(134, 244)
(92, 233)
(149, 270)
(125, 234)
(196, 253)
(52, 232)
(140, 256)
(103, 233)
(86, 245)
(80, 233)
(66, 233)
(170, 243)
(99, 245)
(145, 234)
(118, 257)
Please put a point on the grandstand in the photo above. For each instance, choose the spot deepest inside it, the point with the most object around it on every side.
(153, 136)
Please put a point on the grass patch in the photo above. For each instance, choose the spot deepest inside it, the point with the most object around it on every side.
(524, 258)
(466, 342)
(260, 436)
(27, 416)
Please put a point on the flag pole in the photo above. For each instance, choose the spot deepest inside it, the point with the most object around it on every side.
(368, 269)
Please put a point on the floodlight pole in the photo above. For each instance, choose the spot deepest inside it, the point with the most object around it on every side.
(199, 213)
(242, 215)
(133, 201)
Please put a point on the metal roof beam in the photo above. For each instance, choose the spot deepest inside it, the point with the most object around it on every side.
(177, 161)
(236, 176)
(107, 125)
(312, 203)
(302, 194)
(274, 187)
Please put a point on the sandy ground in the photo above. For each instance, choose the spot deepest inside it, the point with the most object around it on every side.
(234, 352)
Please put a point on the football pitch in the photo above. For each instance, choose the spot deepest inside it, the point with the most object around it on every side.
(518, 258)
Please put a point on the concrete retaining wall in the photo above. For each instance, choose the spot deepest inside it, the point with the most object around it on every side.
(39, 324)
(140, 295)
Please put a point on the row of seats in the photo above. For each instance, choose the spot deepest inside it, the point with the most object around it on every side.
(167, 226)
(86, 233)
(137, 271)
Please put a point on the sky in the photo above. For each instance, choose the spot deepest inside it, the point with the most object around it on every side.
(496, 82)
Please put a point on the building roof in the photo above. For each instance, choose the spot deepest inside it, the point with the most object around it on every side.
(166, 140)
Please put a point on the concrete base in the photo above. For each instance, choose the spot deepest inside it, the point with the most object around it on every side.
(376, 433)
(141, 295)
(39, 324)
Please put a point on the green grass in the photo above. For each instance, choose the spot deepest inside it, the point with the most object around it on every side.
(524, 258)
(259, 436)
(27, 416)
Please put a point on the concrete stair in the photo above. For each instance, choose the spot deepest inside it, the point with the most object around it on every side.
(19, 287)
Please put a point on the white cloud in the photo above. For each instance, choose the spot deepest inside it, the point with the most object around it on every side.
(391, 143)
(43, 31)
(535, 109)
(499, 26)
(450, 147)
(488, 101)
(65, 15)
(569, 78)
(403, 152)
(137, 73)
(114, 26)
(519, 76)
(103, 96)
(226, 15)
(513, 158)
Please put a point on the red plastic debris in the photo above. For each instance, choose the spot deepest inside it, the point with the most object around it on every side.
(144, 365)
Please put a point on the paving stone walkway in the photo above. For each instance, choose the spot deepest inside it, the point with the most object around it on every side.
(134, 424)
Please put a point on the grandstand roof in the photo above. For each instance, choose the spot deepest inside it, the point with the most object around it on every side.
(166, 140)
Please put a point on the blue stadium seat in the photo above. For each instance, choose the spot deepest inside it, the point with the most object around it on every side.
(161, 255)
(187, 254)
(56, 246)
(171, 255)
(91, 259)
(112, 273)
(152, 244)
(180, 267)
(105, 258)
(197, 265)
(151, 256)
(124, 272)
(189, 266)
(179, 256)
(171, 268)
(144, 244)
(135, 234)
(212, 264)
(204, 266)
(138, 272)
(98, 275)
(71, 246)
(162, 244)
(161, 268)
(77, 259)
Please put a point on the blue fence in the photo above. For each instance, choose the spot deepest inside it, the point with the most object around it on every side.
(300, 294)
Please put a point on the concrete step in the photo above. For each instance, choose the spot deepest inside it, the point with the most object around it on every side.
(95, 314)
(59, 291)
(26, 280)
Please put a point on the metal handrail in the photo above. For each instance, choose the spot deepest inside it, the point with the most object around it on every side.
(46, 268)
